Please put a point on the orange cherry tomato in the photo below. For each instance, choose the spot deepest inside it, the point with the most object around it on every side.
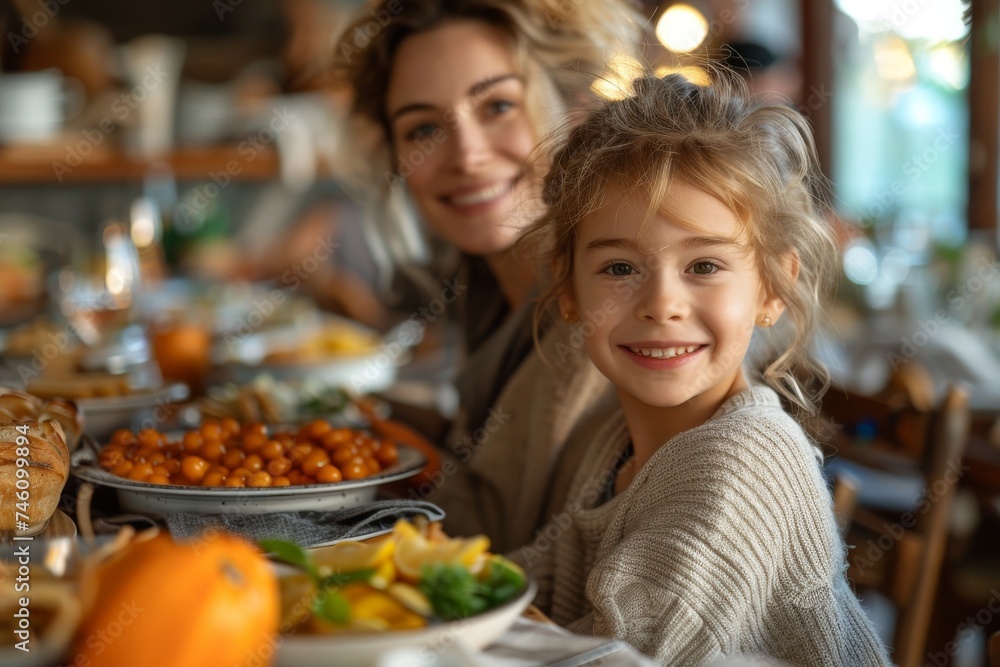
(123, 469)
(192, 441)
(233, 458)
(279, 467)
(214, 478)
(259, 479)
(329, 474)
(122, 437)
(318, 428)
(253, 442)
(314, 461)
(299, 452)
(148, 437)
(194, 468)
(230, 427)
(355, 470)
(212, 450)
(343, 454)
(272, 450)
(253, 463)
(141, 472)
(211, 430)
(388, 454)
(337, 437)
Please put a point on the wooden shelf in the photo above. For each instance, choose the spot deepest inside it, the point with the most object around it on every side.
(52, 164)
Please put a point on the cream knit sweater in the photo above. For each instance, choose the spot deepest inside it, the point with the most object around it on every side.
(501, 478)
(725, 542)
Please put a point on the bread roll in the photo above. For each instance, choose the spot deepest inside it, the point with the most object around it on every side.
(48, 468)
(18, 405)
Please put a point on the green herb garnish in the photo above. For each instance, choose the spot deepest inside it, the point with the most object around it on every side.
(327, 601)
(455, 593)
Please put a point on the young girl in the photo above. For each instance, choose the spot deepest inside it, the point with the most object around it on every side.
(683, 221)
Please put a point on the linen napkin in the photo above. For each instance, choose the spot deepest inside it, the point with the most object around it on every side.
(308, 528)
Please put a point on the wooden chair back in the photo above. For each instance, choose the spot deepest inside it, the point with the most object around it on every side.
(845, 500)
(898, 553)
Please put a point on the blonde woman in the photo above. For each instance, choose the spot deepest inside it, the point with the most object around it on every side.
(452, 97)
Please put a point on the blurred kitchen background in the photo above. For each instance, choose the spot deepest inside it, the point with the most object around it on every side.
(188, 152)
(212, 128)
(223, 116)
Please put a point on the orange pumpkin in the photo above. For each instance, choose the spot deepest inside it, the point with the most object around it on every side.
(210, 602)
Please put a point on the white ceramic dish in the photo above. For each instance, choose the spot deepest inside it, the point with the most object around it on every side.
(161, 499)
(59, 525)
(241, 359)
(102, 416)
(366, 648)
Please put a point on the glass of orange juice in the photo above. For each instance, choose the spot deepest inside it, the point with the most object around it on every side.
(182, 348)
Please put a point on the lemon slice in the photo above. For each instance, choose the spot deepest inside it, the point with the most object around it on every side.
(384, 575)
(411, 597)
(414, 551)
(352, 556)
(374, 607)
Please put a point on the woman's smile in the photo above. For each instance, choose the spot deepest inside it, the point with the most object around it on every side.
(481, 198)
(466, 136)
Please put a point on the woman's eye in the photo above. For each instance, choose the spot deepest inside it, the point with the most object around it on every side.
(420, 131)
(619, 269)
(499, 106)
(704, 268)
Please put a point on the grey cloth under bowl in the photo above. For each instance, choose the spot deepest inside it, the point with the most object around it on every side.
(311, 528)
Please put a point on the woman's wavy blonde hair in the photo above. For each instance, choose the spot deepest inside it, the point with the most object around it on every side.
(759, 160)
(560, 46)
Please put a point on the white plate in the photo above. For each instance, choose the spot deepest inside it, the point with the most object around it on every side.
(162, 499)
(241, 359)
(476, 632)
(56, 526)
(102, 416)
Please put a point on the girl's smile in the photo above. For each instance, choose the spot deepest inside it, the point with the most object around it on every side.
(661, 355)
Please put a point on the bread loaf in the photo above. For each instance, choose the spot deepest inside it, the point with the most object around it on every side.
(18, 405)
(47, 466)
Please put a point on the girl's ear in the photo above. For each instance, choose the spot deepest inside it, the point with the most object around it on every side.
(567, 305)
(566, 296)
(774, 305)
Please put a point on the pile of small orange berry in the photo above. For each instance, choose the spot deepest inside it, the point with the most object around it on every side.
(227, 454)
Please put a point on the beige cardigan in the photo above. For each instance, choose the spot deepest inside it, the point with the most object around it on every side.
(499, 476)
(724, 543)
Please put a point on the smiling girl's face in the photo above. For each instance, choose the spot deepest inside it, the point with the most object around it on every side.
(456, 108)
(673, 302)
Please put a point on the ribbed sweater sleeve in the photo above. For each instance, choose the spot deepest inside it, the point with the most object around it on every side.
(497, 479)
(724, 543)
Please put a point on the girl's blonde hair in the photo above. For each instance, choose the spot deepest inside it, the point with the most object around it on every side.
(759, 160)
(560, 47)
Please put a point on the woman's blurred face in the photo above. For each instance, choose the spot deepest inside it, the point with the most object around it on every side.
(456, 107)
